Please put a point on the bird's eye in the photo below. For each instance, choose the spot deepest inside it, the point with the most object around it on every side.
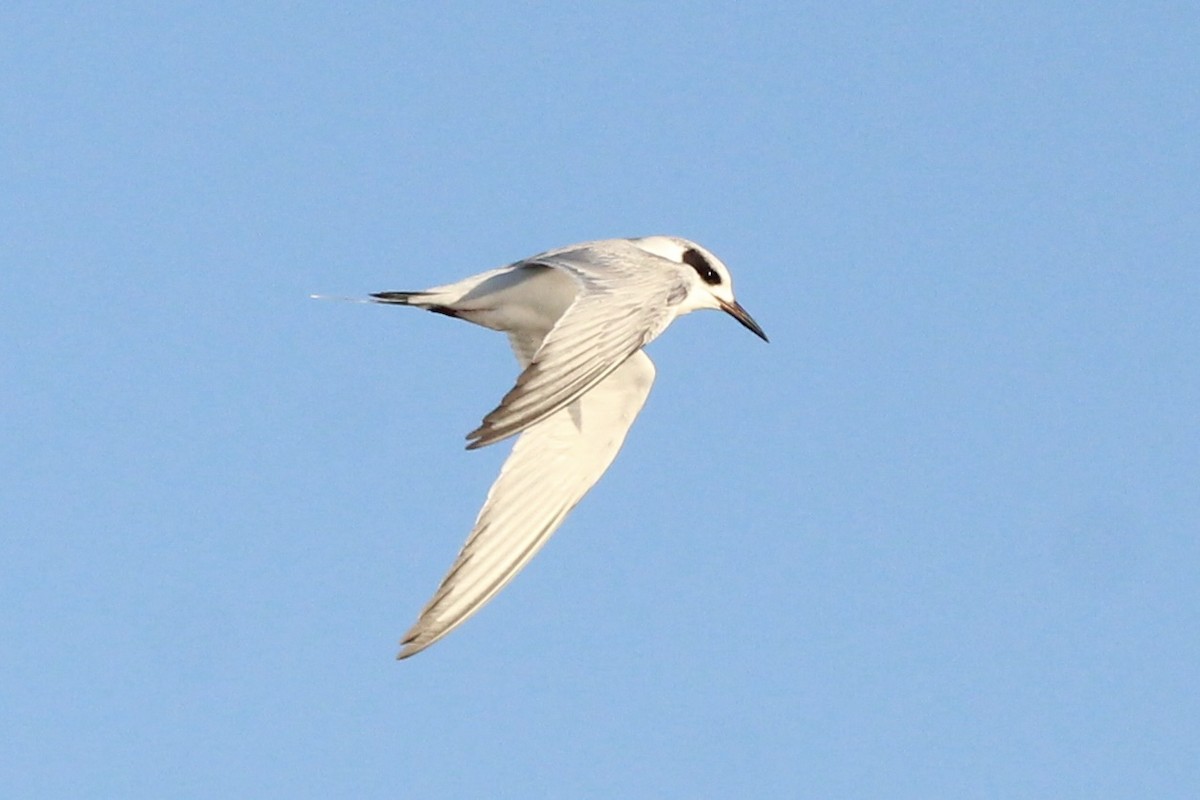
(698, 262)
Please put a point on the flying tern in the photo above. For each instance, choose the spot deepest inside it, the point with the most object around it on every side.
(577, 319)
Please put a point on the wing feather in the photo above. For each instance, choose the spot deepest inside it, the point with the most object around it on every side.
(551, 467)
(623, 303)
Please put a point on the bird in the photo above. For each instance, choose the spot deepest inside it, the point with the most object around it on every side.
(577, 319)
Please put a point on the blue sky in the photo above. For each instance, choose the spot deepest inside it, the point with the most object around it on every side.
(938, 539)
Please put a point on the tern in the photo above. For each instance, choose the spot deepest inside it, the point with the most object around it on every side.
(577, 319)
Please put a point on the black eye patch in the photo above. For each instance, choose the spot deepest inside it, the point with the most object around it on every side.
(696, 261)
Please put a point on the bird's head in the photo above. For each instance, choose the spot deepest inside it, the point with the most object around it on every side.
(707, 278)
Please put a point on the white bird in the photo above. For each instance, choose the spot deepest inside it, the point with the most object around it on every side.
(577, 319)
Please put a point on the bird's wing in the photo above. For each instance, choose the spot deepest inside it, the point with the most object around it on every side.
(524, 347)
(623, 302)
(551, 467)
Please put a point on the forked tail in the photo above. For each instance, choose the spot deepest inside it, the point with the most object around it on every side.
(398, 298)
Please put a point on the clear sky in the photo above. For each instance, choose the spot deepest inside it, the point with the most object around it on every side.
(939, 538)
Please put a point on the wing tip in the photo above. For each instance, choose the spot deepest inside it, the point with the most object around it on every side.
(416, 640)
(487, 434)
(408, 651)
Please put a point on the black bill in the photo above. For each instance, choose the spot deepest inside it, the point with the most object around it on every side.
(735, 310)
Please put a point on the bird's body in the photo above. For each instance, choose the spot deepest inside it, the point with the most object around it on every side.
(577, 319)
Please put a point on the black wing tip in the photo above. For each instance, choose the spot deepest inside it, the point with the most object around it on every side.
(475, 437)
(411, 644)
(489, 432)
(484, 436)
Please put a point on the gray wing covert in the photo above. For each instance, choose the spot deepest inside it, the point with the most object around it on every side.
(622, 305)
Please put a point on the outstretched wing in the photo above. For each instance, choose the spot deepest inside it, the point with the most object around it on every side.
(551, 467)
(624, 301)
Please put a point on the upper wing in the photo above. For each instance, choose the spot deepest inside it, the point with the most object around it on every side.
(551, 467)
(622, 304)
